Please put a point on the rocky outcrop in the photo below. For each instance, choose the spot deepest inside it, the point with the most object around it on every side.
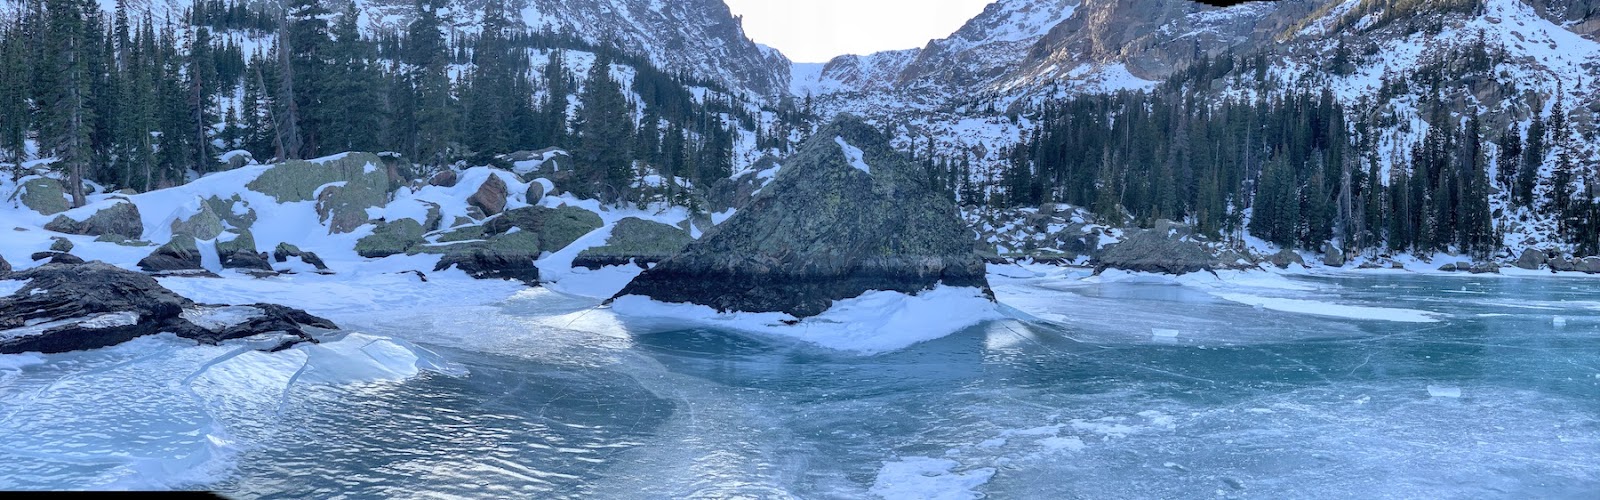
(637, 241)
(846, 215)
(1474, 268)
(1587, 265)
(344, 187)
(1162, 249)
(119, 219)
(1332, 256)
(59, 244)
(181, 255)
(1285, 257)
(56, 257)
(390, 238)
(284, 251)
(88, 306)
(507, 246)
(203, 225)
(1532, 260)
(5, 267)
(491, 196)
(240, 253)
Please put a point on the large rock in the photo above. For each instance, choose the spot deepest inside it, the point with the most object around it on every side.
(1332, 256)
(491, 196)
(203, 225)
(637, 241)
(284, 251)
(845, 216)
(179, 256)
(88, 306)
(234, 211)
(1285, 257)
(390, 238)
(119, 219)
(1157, 250)
(344, 187)
(240, 253)
(44, 195)
(445, 178)
(59, 244)
(507, 246)
(5, 267)
(1532, 259)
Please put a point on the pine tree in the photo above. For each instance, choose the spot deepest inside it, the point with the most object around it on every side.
(432, 105)
(605, 135)
(354, 87)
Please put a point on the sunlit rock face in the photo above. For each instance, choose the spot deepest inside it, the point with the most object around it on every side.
(845, 215)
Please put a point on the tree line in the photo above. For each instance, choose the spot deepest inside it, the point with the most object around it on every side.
(146, 103)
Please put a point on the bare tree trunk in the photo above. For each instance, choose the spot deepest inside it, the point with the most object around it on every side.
(74, 146)
(289, 137)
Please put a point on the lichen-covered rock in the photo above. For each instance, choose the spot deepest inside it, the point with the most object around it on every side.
(121, 219)
(464, 233)
(556, 227)
(635, 240)
(44, 195)
(364, 184)
(179, 256)
(240, 253)
(390, 238)
(284, 251)
(203, 225)
(504, 256)
(1285, 257)
(1158, 250)
(59, 244)
(845, 216)
(234, 211)
(491, 196)
(72, 307)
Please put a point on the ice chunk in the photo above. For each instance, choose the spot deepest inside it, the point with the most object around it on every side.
(930, 479)
(1440, 391)
(1068, 443)
(1559, 322)
(1330, 309)
(1164, 334)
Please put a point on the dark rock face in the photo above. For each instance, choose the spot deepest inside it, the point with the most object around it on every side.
(825, 230)
(240, 253)
(1285, 257)
(181, 255)
(59, 244)
(88, 306)
(57, 257)
(1157, 250)
(284, 251)
(121, 219)
(5, 267)
(637, 241)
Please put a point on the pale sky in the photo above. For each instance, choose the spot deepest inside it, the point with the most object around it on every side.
(819, 30)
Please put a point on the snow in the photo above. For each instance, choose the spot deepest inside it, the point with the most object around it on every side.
(1440, 391)
(873, 323)
(8, 287)
(854, 155)
(217, 318)
(929, 479)
(1331, 309)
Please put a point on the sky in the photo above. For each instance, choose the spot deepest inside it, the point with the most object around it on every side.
(819, 30)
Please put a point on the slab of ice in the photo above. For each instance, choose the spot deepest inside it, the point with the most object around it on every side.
(1440, 391)
(1330, 309)
(219, 318)
(8, 287)
(1068, 443)
(1161, 333)
(929, 479)
(876, 322)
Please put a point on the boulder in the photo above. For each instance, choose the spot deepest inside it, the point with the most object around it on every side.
(179, 256)
(284, 251)
(240, 253)
(120, 218)
(203, 225)
(59, 244)
(390, 238)
(56, 257)
(847, 216)
(503, 256)
(1285, 257)
(344, 187)
(556, 227)
(1332, 256)
(637, 241)
(445, 178)
(1532, 260)
(44, 195)
(491, 196)
(1159, 250)
(536, 191)
(73, 307)
(1588, 265)
(5, 267)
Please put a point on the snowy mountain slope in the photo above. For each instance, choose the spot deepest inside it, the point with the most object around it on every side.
(701, 38)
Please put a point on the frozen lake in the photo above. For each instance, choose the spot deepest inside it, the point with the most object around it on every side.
(1264, 386)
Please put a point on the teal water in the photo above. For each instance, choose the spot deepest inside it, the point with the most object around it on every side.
(1496, 399)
